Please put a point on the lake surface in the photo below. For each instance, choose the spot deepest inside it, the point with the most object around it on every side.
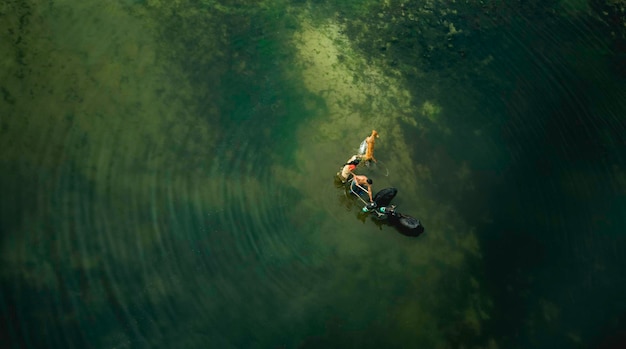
(167, 174)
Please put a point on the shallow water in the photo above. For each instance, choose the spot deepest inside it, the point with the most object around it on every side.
(167, 175)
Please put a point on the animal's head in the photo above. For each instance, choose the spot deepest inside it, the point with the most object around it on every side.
(374, 133)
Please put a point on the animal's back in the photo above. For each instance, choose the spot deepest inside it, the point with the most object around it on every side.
(369, 154)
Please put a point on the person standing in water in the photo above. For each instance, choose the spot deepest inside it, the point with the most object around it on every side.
(348, 167)
(359, 183)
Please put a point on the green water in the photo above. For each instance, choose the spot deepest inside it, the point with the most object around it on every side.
(166, 174)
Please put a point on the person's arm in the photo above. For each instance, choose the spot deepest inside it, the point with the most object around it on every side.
(369, 192)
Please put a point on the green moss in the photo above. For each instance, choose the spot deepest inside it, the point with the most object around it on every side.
(431, 111)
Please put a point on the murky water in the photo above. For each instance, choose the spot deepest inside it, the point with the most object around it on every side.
(167, 174)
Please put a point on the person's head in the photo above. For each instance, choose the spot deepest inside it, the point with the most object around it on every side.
(369, 181)
(355, 162)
